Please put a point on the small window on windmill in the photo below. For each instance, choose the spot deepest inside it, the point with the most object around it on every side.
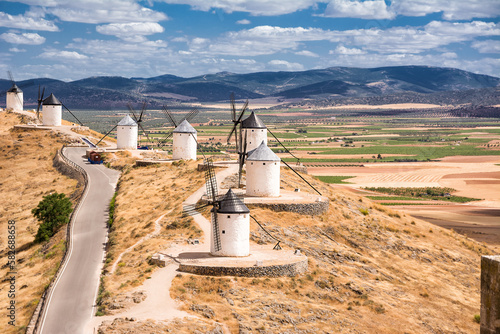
(263, 164)
(251, 163)
(228, 216)
(223, 231)
(252, 130)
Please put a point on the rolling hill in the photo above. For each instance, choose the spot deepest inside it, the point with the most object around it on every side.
(336, 82)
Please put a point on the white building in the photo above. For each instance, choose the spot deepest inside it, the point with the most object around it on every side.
(52, 111)
(14, 98)
(263, 172)
(126, 134)
(184, 146)
(233, 218)
(255, 131)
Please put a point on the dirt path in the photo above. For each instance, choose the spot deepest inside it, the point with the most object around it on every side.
(146, 237)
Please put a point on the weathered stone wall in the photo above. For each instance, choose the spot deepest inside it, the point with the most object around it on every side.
(291, 269)
(316, 208)
(490, 294)
(62, 167)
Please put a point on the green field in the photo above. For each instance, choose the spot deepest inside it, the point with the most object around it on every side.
(427, 193)
(420, 135)
(335, 179)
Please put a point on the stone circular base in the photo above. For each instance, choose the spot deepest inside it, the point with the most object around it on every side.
(261, 262)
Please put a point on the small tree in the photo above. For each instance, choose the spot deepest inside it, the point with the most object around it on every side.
(53, 211)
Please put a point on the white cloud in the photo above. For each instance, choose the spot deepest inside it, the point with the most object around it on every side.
(24, 38)
(134, 31)
(307, 53)
(17, 50)
(342, 50)
(26, 22)
(244, 21)
(110, 52)
(254, 7)
(98, 11)
(261, 40)
(65, 55)
(180, 39)
(97, 16)
(489, 46)
(266, 40)
(451, 9)
(285, 65)
(370, 9)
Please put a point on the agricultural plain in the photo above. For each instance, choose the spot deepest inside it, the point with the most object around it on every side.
(357, 147)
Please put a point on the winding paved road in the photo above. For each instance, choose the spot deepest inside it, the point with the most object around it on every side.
(70, 306)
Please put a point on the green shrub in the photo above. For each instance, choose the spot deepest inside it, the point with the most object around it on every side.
(53, 211)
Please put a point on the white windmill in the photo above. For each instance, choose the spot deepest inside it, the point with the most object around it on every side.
(230, 226)
(126, 133)
(184, 143)
(127, 130)
(14, 98)
(52, 111)
(263, 172)
(254, 130)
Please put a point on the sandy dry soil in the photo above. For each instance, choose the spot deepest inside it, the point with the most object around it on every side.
(477, 177)
(305, 155)
(389, 106)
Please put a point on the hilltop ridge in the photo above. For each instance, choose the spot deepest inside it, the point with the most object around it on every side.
(109, 92)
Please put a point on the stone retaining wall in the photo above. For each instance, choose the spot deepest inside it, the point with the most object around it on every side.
(290, 269)
(62, 167)
(490, 294)
(316, 208)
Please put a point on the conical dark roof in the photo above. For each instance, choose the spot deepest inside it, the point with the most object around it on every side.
(14, 89)
(252, 122)
(262, 153)
(185, 127)
(232, 204)
(51, 101)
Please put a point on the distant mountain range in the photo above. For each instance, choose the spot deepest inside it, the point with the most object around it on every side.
(331, 83)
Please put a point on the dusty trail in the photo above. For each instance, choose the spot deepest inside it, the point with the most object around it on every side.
(146, 237)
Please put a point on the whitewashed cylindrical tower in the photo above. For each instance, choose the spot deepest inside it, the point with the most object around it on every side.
(14, 98)
(126, 134)
(263, 172)
(255, 131)
(184, 145)
(52, 111)
(233, 220)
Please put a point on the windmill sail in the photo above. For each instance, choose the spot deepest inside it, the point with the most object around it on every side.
(216, 233)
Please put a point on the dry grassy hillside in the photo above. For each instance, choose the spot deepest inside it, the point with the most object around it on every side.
(26, 175)
(143, 196)
(371, 269)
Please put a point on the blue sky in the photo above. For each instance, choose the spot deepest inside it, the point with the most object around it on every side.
(74, 39)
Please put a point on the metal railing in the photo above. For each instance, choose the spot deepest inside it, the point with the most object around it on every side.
(40, 310)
